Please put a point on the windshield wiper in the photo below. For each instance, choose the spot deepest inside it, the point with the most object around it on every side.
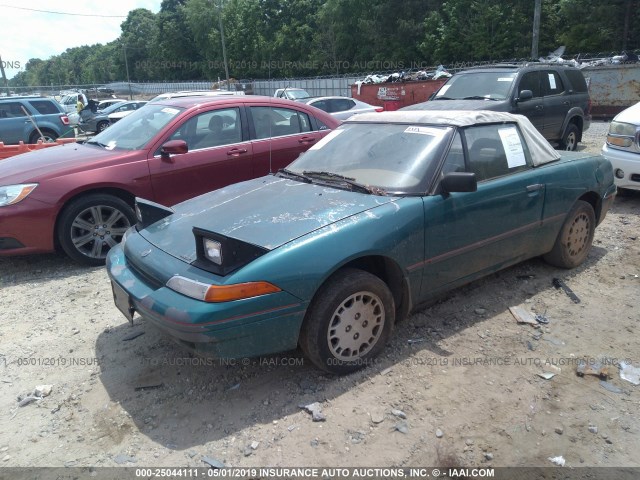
(337, 178)
(297, 176)
(479, 97)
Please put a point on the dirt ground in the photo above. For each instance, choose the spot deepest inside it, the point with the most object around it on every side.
(463, 372)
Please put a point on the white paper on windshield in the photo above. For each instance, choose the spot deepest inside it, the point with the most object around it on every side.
(443, 90)
(505, 79)
(512, 147)
(326, 139)
(552, 81)
(424, 130)
(171, 111)
(111, 145)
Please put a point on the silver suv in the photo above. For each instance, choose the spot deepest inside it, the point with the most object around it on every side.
(554, 97)
(29, 119)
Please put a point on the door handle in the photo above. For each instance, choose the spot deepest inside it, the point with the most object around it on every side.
(234, 152)
(535, 187)
(307, 140)
(538, 107)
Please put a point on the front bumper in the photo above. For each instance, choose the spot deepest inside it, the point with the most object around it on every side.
(243, 328)
(27, 227)
(627, 162)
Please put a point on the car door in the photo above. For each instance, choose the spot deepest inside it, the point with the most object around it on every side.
(279, 135)
(14, 124)
(556, 101)
(472, 233)
(219, 154)
(533, 108)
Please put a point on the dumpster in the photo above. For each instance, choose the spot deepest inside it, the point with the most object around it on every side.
(393, 96)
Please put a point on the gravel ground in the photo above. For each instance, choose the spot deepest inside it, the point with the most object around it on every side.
(459, 383)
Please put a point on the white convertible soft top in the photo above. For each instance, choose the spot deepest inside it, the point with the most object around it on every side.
(540, 149)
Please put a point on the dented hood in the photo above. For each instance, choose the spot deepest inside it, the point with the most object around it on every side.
(267, 212)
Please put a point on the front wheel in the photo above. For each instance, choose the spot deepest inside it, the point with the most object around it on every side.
(574, 240)
(570, 138)
(348, 322)
(91, 225)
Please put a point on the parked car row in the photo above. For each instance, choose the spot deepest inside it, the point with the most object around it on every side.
(247, 225)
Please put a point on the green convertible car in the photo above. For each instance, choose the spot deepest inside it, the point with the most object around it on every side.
(382, 215)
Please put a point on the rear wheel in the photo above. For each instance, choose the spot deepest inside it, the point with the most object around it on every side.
(574, 240)
(102, 126)
(91, 225)
(570, 138)
(348, 322)
(47, 136)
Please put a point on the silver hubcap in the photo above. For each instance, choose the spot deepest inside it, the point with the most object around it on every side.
(570, 143)
(356, 326)
(96, 229)
(578, 235)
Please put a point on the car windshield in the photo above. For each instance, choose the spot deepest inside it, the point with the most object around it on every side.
(490, 85)
(134, 131)
(111, 107)
(296, 94)
(395, 158)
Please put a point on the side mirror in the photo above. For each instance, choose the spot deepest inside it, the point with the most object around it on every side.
(459, 182)
(173, 147)
(525, 95)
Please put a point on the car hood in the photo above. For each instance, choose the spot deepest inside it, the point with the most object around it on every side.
(459, 105)
(53, 161)
(630, 115)
(267, 212)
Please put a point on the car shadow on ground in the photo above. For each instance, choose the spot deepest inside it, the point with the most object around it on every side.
(180, 401)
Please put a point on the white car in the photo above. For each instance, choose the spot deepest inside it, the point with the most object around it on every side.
(194, 93)
(622, 148)
(108, 102)
(292, 93)
(341, 107)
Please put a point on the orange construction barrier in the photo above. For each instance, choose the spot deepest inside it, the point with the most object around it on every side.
(11, 150)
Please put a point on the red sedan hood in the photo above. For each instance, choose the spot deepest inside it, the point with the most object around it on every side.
(49, 162)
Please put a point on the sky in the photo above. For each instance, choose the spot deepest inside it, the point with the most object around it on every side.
(26, 34)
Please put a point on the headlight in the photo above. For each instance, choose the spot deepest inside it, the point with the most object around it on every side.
(12, 194)
(219, 293)
(213, 250)
(619, 128)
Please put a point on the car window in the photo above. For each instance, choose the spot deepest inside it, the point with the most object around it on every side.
(341, 104)
(11, 110)
(454, 161)
(578, 83)
(531, 81)
(44, 107)
(211, 129)
(552, 83)
(321, 104)
(276, 122)
(484, 84)
(495, 151)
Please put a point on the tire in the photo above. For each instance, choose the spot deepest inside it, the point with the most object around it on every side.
(574, 240)
(86, 238)
(570, 138)
(101, 127)
(47, 136)
(336, 336)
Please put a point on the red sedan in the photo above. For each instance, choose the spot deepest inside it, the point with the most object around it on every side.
(80, 197)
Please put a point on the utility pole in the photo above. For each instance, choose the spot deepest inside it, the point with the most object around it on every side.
(536, 29)
(224, 48)
(126, 65)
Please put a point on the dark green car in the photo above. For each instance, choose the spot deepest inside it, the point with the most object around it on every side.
(383, 214)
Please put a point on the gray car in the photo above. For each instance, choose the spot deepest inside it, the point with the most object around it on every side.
(341, 107)
(100, 121)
